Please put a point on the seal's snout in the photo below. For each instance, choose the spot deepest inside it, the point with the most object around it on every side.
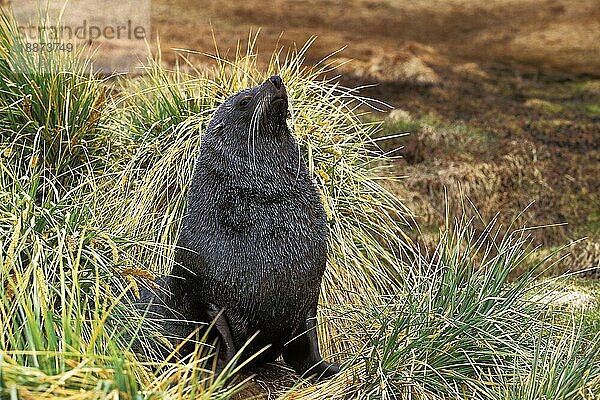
(276, 88)
(277, 93)
(276, 81)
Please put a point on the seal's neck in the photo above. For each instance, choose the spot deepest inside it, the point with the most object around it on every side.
(261, 157)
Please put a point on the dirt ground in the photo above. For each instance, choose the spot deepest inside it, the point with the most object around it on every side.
(552, 35)
(502, 98)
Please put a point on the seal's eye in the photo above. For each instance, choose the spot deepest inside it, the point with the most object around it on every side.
(245, 101)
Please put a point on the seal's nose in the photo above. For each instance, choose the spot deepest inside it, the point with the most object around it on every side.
(276, 81)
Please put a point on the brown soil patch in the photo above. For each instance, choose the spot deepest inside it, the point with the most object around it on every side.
(547, 35)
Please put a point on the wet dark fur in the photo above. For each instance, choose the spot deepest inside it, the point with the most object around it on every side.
(253, 244)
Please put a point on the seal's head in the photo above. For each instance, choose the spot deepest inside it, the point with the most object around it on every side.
(258, 112)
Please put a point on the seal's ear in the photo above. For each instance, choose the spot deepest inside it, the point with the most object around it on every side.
(219, 100)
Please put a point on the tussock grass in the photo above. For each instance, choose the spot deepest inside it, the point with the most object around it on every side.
(83, 226)
(366, 221)
(50, 112)
(460, 327)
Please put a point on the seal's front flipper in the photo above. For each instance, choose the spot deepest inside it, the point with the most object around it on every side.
(226, 348)
(302, 352)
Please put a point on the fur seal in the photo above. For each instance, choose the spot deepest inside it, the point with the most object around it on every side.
(253, 245)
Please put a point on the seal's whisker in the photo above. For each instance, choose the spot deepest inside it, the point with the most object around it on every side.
(256, 118)
(293, 129)
(254, 128)
(259, 110)
(252, 131)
